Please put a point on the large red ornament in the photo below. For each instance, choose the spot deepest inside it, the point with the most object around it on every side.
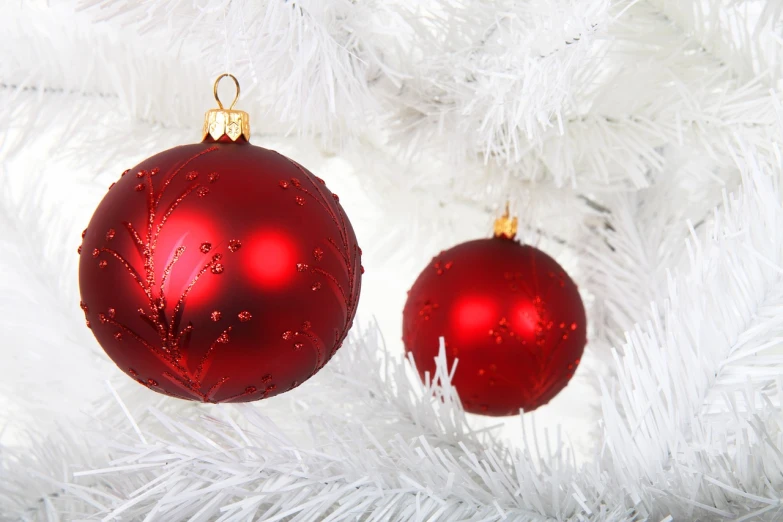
(508, 312)
(220, 271)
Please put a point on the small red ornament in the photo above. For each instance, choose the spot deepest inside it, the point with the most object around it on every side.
(508, 312)
(198, 275)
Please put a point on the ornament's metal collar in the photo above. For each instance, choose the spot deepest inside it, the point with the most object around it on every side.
(506, 226)
(222, 123)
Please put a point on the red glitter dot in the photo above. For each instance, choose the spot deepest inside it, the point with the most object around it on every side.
(83, 306)
(203, 191)
(283, 184)
(301, 267)
(217, 268)
(336, 197)
(234, 245)
(88, 324)
(316, 286)
(79, 250)
(288, 335)
(361, 267)
(244, 316)
(125, 172)
(95, 252)
(152, 382)
(295, 182)
(205, 247)
(190, 176)
(118, 336)
(141, 173)
(154, 170)
(300, 200)
(102, 263)
(266, 378)
(216, 315)
(132, 372)
(139, 187)
(318, 253)
(224, 338)
(110, 234)
(111, 312)
(573, 326)
(298, 346)
(213, 177)
(84, 233)
(306, 325)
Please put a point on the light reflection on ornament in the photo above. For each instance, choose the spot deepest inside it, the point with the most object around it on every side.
(272, 260)
(474, 315)
(193, 230)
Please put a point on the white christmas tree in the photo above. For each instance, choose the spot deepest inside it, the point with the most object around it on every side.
(639, 141)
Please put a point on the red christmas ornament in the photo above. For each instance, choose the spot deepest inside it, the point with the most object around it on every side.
(219, 271)
(508, 312)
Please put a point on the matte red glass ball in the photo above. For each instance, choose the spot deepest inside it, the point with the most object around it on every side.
(508, 312)
(219, 272)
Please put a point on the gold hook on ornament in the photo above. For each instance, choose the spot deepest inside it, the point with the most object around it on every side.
(215, 89)
(221, 124)
(505, 225)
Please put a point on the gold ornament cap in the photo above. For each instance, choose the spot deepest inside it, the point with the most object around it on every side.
(506, 226)
(225, 123)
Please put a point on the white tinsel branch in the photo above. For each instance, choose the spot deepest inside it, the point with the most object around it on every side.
(229, 463)
(618, 129)
(695, 408)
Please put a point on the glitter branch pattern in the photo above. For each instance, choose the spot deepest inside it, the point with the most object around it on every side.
(344, 250)
(164, 320)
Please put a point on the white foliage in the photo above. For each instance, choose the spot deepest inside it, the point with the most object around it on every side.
(746, 33)
(638, 141)
(640, 238)
(234, 463)
(685, 413)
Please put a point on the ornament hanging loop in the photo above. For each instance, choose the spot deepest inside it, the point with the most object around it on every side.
(223, 124)
(215, 90)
